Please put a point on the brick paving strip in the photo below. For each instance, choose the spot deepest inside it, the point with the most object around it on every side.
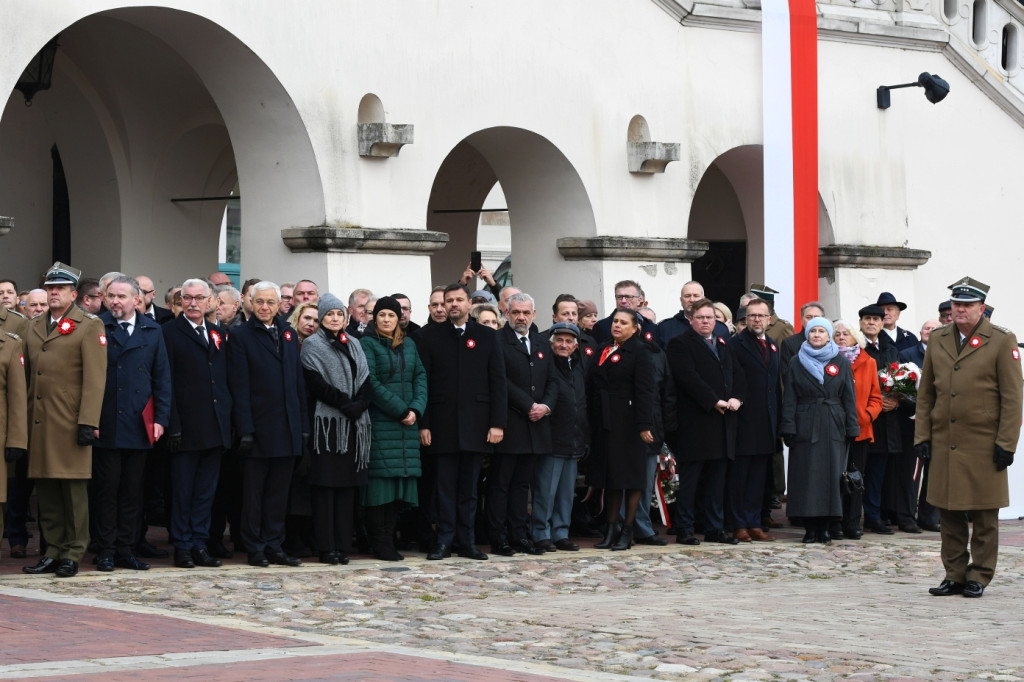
(855, 610)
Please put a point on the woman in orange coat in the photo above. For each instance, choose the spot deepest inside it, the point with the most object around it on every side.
(851, 344)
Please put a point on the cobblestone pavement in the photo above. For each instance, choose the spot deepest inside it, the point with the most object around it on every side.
(781, 610)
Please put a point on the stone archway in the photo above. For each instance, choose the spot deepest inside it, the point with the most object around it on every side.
(146, 107)
(546, 201)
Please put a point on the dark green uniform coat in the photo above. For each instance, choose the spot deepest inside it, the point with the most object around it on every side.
(13, 403)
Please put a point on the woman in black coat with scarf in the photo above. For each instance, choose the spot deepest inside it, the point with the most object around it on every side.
(819, 421)
(623, 397)
(337, 378)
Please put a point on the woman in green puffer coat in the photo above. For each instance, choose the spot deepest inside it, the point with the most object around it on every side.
(399, 399)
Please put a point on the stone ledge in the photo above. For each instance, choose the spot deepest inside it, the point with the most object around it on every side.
(885, 257)
(6, 224)
(363, 240)
(631, 248)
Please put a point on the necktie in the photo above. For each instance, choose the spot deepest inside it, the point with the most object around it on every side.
(273, 335)
(151, 316)
(764, 352)
(50, 326)
(124, 326)
(710, 342)
(526, 345)
(460, 330)
(201, 331)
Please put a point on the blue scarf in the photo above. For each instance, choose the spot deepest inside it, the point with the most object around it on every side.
(814, 360)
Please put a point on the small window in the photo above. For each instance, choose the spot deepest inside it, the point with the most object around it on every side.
(949, 9)
(980, 22)
(1011, 48)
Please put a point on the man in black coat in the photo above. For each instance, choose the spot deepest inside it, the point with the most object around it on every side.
(758, 423)
(710, 389)
(628, 295)
(200, 422)
(891, 309)
(467, 410)
(532, 392)
(138, 375)
(672, 327)
(269, 416)
(147, 294)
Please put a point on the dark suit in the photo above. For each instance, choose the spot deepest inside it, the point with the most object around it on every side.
(904, 340)
(201, 417)
(888, 441)
(926, 513)
(269, 403)
(706, 439)
(758, 427)
(161, 315)
(672, 327)
(467, 396)
(529, 379)
(137, 371)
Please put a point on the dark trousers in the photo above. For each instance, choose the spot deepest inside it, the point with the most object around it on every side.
(903, 488)
(745, 485)
(19, 490)
(227, 501)
(926, 513)
(709, 474)
(265, 485)
(874, 479)
(853, 505)
(457, 475)
(117, 478)
(426, 513)
(332, 517)
(193, 484)
(980, 563)
(508, 493)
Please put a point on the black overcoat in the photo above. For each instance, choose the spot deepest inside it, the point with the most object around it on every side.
(200, 397)
(888, 427)
(758, 426)
(466, 388)
(702, 379)
(530, 379)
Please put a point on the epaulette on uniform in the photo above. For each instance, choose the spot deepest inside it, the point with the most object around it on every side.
(15, 312)
(90, 315)
(13, 335)
(1001, 329)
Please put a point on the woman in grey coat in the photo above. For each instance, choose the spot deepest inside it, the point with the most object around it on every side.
(819, 419)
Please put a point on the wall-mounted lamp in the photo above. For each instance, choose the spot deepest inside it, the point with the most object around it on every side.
(935, 89)
(37, 74)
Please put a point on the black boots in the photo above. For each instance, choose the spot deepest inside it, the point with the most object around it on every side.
(625, 539)
(611, 536)
(380, 525)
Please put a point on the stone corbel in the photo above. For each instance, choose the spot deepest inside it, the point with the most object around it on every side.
(883, 257)
(398, 241)
(670, 250)
(6, 225)
(651, 157)
(383, 139)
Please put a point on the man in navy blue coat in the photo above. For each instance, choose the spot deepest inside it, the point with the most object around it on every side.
(532, 392)
(628, 295)
(269, 416)
(137, 373)
(465, 417)
(200, 423)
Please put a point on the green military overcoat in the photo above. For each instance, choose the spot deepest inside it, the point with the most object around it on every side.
(13, 403)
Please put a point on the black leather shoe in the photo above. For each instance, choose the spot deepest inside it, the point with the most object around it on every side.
(809, 536)
(439, 552)
(973, 589)
(651, 540)
(545, 545)
(329, 558)
(472, 552)
(566, 545)
(218, 550)
(824, 537)
(687, 539)
(45, 565)
(105, 562)
(947, 588)
(69, 569)
(932, 527)
(282, 559)
(527, 547)
(910, 528)
(258, 559)
(148, 551)
(183, 559)
(342, 559)
(503, 549)
(201, 557)
(720, 536)
(132, 562)
(853, 533)
(878, 527)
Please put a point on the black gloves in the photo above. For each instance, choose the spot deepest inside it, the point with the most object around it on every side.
(14, 454)
(246, 443)
(353, 409)
(174, 443)
(86, 435)
(924, 451)
(787, 438)
(1002, 458)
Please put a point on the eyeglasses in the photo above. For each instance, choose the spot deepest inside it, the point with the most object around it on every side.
(626, 297)
(259, 302)
(198, 299)
(286, 298)
(406, 309)
(757, 316)
(147, 292)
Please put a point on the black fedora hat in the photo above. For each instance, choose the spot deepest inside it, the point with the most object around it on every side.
(885, 298)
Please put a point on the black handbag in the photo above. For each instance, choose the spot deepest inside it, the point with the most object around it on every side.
(851, 481)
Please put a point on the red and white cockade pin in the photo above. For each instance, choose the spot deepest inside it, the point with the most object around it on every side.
(22, 360)
(470, 343)
(216, 338)
(103, 339)
(287, 336)
(540, 355)
(343, 338)
(721, 340)
(66, 327)
(649, 336)
(1015, 353)
(832, 370)
(615, 358)
(774, 349)
(975, 342)
(588, 351)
